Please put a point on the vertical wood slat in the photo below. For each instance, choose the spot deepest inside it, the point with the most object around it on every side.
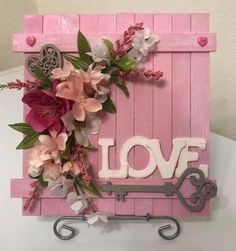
(107, 24)
(143, 124)
(51, 24)
(181, 95)
(162, 107)
(124, 115)
(58, 24)
(200, 93)
(32, 24)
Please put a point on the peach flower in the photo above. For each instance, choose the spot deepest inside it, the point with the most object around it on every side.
(72, 168)
(72, 89)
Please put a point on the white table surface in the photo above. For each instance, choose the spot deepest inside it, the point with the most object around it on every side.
(35, 233)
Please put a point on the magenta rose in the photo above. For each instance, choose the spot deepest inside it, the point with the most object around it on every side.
(46, 110)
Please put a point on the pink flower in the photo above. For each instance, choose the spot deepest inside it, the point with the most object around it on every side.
(72, 168)
(51, 171)
(96, 79)
(64, 73)
(72, 89)
(44, 152)
(46, 110)
(53, 144)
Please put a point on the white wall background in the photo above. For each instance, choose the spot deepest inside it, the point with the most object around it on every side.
(35, 233)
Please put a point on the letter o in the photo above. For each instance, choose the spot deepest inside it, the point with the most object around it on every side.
(127, 146)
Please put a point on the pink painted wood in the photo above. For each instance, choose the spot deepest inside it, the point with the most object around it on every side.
(177, 106)
(180, 42)
(33, 24)
(162, 104)
(107, 24)
(200, 66)
(181, 93)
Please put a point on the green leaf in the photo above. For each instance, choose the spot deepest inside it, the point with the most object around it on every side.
(22, 127)
(89, 147)
(43, 183)
(121, 86)
(3, 87)
(109, 106)
(127, 64)
(77, 62)
(28, 141)
(108, 44)
(91, 188)
(84, 47)
(47, 84)
(66, 154)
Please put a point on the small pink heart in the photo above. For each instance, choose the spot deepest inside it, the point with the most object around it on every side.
(31, 41)
(202, 41)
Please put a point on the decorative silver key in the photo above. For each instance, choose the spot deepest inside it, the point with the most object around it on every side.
(205, 189)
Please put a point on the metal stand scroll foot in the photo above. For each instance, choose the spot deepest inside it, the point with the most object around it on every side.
(162, 230)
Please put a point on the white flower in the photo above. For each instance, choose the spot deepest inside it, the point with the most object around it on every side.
(92, 125)
(99, 52)
(96, 217)
(60, 186)
(144, 41)
(78, 202)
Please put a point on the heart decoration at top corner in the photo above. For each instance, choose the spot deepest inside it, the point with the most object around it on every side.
(50, 58)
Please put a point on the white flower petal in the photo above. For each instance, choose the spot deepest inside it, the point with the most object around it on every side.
(61, 141)
(69, 121)
(82, 137)
(72, 197)
(77, 206)
(93, 219)
(103, 217)
(93, 124)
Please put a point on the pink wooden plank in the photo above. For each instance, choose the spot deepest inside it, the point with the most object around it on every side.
(179, 42)
(107, 24)
(50, 206)
(162, 97)
(178, 210)
(70, 23)
(89, 24)
(34, 210)
(200, 90)
(143, 123)
(143, 102)
(125, 207)
(125, 108)
(143, 207)
(181, 93)
(20, 189)
(51, 24)
(106, 206)
(33, 24)
(162, 207)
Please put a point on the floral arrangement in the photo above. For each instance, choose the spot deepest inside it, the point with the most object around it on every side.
(64, 111)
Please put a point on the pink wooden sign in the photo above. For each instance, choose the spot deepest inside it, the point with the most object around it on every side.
(175, 107)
